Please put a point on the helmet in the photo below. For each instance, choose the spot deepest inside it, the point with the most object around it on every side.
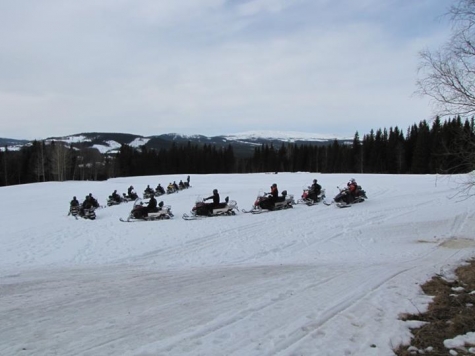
(352, 180)
(274, 185)
(132, 186)
(215, 191)
(74, 197)
(315, 181)
(115, 191)
(90, 194)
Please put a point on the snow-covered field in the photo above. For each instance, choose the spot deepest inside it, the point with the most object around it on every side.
(306, 281)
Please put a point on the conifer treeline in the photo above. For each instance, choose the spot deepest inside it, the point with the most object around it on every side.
(423, 149)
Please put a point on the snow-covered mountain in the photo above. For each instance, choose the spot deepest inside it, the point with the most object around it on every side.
(284, 136)
(243, 143)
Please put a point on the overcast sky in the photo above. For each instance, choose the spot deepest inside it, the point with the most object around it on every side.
(213, 66)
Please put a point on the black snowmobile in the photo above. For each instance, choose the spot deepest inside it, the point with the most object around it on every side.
(345, 199)
(122, 199)
(148, 194)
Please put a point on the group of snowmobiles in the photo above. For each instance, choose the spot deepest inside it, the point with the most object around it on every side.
(351, 194)
(86, 210)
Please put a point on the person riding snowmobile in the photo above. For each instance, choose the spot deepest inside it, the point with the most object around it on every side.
(74, 203)
(314, 190)
(115, 196)
(352, 190)
(94, 201)
(215, 202)
(151, 207)
(170, 188)
(274, 193)
(148, 192)
(131, 193)
(272, 196)
(86, 205)
(160, 189)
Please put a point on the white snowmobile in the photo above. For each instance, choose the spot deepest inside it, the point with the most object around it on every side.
(202, 209)
(140, 212)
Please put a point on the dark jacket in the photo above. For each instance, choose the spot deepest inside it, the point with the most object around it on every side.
(274, 192)
(87, 203)
(115, 196)
(215, 198)
(316, 188)
(152, 204)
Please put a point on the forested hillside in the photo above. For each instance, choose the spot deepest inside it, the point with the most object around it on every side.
(425, 148)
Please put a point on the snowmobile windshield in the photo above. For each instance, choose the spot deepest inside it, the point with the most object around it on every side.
(138, 201)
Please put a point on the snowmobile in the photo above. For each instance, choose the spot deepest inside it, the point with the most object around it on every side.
(111, 201)
(159, 192)
(139, 212)
(202, 209)
(74, 211)
(148, 194)
(171, 189)
(88, 213)
(344, 198)
(309, 198)
(131, 197)
(264, 203)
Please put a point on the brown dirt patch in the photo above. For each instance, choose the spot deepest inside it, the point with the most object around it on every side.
(451, 313)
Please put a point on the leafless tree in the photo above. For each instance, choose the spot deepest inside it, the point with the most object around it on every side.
(448, 74)
(61, 163)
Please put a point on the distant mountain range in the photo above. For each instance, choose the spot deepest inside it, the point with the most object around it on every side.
(243, 143)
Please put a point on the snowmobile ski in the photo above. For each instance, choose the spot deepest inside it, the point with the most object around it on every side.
(200, 217)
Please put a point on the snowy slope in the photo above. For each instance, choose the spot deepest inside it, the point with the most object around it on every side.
(307, 281)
